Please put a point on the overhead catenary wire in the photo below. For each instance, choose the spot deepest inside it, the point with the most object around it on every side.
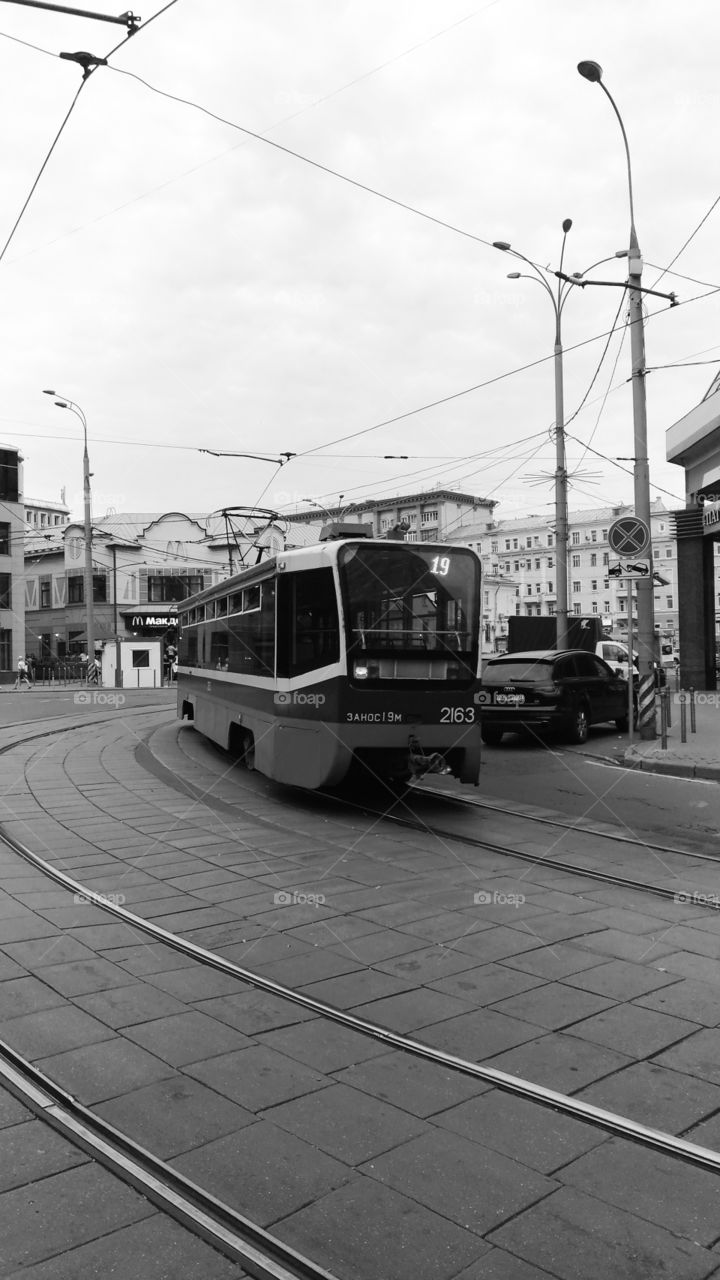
(381, 195)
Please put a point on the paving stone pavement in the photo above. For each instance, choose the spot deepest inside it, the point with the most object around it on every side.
(376, 1164)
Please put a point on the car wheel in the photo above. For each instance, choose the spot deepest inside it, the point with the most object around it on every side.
(579, 724)
(491, 736)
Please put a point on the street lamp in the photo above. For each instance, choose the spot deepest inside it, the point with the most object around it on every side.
(561, 505)
(592, 71)
(89, 614)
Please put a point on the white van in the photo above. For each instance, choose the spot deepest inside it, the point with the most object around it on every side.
(616, 655)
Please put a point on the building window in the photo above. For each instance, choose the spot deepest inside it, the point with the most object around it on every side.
(550, 540)
(515, 544)
(594, 608)
(538, 588)
(606, 583)
(551, 562)
(4, 539)
(593, 585)
(575, 538)
(5, 591)
(76, 589)
(99, 588)
(577, 608)
(517, 566)
(528, 542)
(668, 552)
(656, 553)
(140, 658)
(550, 587)
(529, 589)
(5, 649)
(662, 527)
(494, 547)
(669, 602)
(606, 606)
(429, 517)
(606, 557)
(576, 587)
(604, 535)
(507, 566)
(9, 476)
(593, 560)
(507, 544)
(166, 588)
(593, 535)
(576, 562)
(46, 593)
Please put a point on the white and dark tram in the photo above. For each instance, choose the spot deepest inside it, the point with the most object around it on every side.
(356, 653)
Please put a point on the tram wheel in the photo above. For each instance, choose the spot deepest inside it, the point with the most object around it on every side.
(249, 752)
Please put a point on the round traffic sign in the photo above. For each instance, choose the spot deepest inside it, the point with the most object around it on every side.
(629, 536)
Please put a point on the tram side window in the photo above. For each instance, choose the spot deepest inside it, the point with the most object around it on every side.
(219, 649)
(308, 626)
(250, 634)
(189, 648)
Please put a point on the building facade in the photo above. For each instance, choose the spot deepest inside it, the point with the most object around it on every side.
(143, 566)
(524, 551)
(12, 602)
(436, 515)
(693, 443)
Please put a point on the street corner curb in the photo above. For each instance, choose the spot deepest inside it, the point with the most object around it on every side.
(671, 768)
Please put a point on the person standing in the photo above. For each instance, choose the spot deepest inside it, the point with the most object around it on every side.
(22, 674)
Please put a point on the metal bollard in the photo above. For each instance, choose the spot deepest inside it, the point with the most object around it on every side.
(692, 710)
(682, 698)
(664, 705)
(668, 707)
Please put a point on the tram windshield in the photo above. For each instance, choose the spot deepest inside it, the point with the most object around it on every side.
(411, 599)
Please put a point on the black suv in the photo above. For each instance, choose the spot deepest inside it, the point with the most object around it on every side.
(567, 690)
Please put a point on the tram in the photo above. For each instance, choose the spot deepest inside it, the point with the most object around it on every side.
(354, 654)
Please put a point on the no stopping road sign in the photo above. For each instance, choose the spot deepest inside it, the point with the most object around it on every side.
(629, 536)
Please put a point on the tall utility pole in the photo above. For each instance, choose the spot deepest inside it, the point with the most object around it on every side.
(592, 71)
(561, 477)
(88, 578)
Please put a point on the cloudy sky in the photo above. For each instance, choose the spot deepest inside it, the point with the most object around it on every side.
(192, 286)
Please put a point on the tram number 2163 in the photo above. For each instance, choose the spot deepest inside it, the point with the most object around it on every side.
(457, 715)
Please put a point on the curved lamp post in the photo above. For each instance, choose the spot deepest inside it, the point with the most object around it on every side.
(558, 300)
(89, 611)
(592, 71)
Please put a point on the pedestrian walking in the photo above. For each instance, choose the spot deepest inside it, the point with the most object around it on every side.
(22, 674)
(30, 664)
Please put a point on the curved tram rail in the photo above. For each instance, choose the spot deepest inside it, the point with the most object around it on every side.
(243, 1241)
(610, 1122)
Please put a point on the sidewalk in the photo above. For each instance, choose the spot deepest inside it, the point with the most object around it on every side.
(699, 755)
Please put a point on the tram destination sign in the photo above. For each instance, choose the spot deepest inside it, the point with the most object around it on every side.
(629, 536)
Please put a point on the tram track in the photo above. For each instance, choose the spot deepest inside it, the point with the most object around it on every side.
(610, 1122)
(579, 828)
(260, 1254)
(220, 1226)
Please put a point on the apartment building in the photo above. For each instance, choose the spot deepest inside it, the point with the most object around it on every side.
(435, 515)
(524, 549)
(12, 613)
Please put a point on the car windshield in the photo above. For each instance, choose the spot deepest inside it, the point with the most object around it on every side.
(536, 671)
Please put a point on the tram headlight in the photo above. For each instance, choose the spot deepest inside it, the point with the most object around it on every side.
(366, 670)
